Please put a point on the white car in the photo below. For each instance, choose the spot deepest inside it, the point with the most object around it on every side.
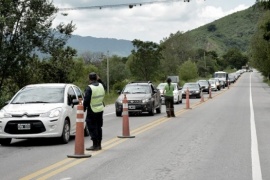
(213, 85)
(41, 111)
(177, 93)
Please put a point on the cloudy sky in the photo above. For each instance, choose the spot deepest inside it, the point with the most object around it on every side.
(152, 21)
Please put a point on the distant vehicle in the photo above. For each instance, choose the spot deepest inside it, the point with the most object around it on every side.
(221, 75)
(217, 82)
(142, 97)
(41, 111)
(222, 83)
(175, 79)
(205, 85)
(177, 93)
(232, 78)
(214, 85)
(194, 90)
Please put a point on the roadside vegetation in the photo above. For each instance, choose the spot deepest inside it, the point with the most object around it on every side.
(240, 39)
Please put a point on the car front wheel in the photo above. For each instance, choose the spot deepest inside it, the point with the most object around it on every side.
(5, 141)
(158, 110)
(152, 111)
(66, 133)
(118, 114)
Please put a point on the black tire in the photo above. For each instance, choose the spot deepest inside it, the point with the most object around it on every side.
(5, 141)
(152, 111)
(177, 102)
(158, 110)
(64, 139)
(118, 114)
(181, 101)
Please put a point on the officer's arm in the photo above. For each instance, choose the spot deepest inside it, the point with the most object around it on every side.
(100, 81)
(87, 98)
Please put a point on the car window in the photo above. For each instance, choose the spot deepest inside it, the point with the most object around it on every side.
(161, 86)
(39, 95)
(152, 89)
(78, 92)
(71, 95)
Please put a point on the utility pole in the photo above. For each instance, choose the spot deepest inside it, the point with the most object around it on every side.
(204, 63)
(108, 73)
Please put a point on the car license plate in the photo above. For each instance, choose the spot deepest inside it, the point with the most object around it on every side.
(131, 107)
(24, 126)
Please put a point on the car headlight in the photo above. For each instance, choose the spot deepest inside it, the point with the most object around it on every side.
(4, 114)
(197, 91)
(146, 100)
(52, 113)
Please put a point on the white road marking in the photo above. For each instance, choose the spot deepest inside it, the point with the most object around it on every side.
(255, 158)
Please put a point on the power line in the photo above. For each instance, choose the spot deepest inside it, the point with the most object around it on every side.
(130, 5)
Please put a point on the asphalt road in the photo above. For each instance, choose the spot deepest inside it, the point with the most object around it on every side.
(223, 138)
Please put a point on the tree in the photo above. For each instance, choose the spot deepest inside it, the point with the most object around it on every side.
(260, 47)
(188, 71)
(145, 60)
(176, 50)
(235, 58)
(211, 28)
(25, 27)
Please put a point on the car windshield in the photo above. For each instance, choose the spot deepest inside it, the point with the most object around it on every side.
(161, 86)
(140, 89)
(212, 82)
(40, 95)
(220, 75)
(193, 86)
(203, 82)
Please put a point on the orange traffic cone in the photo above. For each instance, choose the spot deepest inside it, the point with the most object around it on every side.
(187, 99)
(79, 138)
(125, 133)
(202, 97)
(210, 93)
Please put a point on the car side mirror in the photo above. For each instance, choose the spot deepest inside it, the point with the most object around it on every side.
(118, 92)
(75, 102)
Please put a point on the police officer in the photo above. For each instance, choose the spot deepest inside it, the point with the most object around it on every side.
(168, 94)
(93, 103)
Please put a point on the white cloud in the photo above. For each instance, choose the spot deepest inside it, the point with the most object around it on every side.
(147, 22)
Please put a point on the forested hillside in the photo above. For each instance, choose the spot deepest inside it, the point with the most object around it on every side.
(232, 31)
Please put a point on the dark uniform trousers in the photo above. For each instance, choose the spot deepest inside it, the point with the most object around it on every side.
(169, 106)
(94, 124)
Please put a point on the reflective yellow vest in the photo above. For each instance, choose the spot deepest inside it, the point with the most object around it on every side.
(97, 97)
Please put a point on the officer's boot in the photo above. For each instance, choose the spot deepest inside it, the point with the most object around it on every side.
(94, 147)
(172, 113)
(168, 113)
(99, 145)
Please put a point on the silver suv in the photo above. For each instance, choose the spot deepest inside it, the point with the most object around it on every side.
(142, 97)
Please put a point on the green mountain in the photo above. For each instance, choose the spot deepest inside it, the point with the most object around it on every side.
(232, 31)
(118, 47)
